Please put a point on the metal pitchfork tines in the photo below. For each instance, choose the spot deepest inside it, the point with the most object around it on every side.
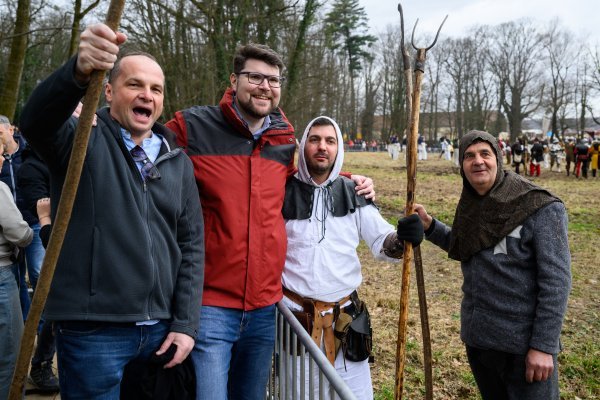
(413, 101)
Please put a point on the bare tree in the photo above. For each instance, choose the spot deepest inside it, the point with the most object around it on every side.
(595, 80)
(78, 15)
(515, 58)
(16, 60)
(372, 84)
(560, 50)
(392, 97)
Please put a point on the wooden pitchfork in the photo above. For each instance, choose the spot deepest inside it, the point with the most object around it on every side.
(63, 214)
(413, 81)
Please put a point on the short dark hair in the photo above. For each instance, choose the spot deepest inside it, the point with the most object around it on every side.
(257, 52)
(322, 121)
(114, 72)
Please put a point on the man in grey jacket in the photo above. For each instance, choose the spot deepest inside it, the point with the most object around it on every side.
(129, 278)
(14, 231)
(511, 239)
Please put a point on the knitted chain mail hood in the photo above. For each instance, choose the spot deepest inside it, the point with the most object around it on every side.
(482, 221)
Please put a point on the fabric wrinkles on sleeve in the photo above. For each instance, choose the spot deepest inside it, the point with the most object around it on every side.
(440, 236)
(48, 108)
(14, 228)
(373, 230)
(553, 276)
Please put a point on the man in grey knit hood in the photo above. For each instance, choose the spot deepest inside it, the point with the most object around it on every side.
(511, 239)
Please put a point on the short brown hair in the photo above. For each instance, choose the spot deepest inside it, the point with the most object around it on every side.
(257, 52)
(322, 121)
(116, 69)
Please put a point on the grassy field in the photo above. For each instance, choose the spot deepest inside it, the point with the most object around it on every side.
(438, 188)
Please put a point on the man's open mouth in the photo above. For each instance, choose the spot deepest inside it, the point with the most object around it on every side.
(146, 112)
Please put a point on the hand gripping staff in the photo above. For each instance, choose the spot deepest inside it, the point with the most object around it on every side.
(63, 214)
(413, 81)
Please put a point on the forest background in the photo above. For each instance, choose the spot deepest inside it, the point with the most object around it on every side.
(492, 78)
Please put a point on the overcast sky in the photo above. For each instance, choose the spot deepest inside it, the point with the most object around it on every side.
(582, 17)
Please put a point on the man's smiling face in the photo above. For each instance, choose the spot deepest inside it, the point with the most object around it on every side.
(255, 101)
(136, 94)
(480, 166)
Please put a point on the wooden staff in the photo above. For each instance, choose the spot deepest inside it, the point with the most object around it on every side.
(63, 214)
(413, 101)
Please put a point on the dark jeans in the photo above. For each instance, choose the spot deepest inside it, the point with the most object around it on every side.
(46, 347)
(92, 355)
(501, 376)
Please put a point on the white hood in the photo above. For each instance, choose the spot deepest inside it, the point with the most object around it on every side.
(303, 173)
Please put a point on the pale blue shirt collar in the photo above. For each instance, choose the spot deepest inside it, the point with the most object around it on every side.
(261, 130)
(151, 145)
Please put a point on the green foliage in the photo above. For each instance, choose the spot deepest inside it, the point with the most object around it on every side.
(346, 27)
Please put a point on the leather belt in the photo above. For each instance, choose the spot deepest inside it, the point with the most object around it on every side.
(322, 324)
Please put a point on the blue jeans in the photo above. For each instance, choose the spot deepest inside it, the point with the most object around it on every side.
(92, 355)
(11, 326)
(32, 263)
(233, 352)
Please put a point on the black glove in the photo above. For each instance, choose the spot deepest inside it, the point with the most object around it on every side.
(410, 229)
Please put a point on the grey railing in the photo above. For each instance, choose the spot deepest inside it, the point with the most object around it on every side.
(288, 376)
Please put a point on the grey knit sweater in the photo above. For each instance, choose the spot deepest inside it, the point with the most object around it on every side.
(515, 293)
(14, 231)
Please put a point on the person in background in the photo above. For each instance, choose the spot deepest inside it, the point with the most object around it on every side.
(34, 184)
(518, 156)
(30, 262)
(570, 155)
(556, 154)
(537, 157)
(594, 155)
(14, 233)
(582, 158)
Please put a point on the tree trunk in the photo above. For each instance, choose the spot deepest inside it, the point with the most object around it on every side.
(16, 59)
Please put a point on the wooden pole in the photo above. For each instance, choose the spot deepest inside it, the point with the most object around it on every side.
(411, 166)
(427, 356)
(63, 215)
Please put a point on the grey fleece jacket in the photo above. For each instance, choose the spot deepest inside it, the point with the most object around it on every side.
(14, 231)
(133, 250)
(515, 293)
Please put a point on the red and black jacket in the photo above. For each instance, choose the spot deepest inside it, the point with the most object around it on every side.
(241, 182)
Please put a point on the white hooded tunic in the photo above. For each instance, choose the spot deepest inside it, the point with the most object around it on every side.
(322, 262)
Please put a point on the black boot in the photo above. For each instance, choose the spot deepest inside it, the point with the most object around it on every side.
(43, 378)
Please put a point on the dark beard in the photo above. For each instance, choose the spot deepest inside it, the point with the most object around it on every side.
(251, 111)
(315, 169)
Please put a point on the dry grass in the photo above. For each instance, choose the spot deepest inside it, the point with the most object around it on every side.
(438, 187)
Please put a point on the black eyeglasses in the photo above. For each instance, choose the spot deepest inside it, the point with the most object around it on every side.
(256, 78)
(149, 170)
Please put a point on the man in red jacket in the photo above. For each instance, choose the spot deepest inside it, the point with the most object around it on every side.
(243, 153)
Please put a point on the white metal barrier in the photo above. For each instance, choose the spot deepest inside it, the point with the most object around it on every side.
(288, 380)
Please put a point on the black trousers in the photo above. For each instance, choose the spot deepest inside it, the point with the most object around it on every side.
(501, 376)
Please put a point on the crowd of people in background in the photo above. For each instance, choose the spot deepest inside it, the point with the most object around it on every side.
(574, 156)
